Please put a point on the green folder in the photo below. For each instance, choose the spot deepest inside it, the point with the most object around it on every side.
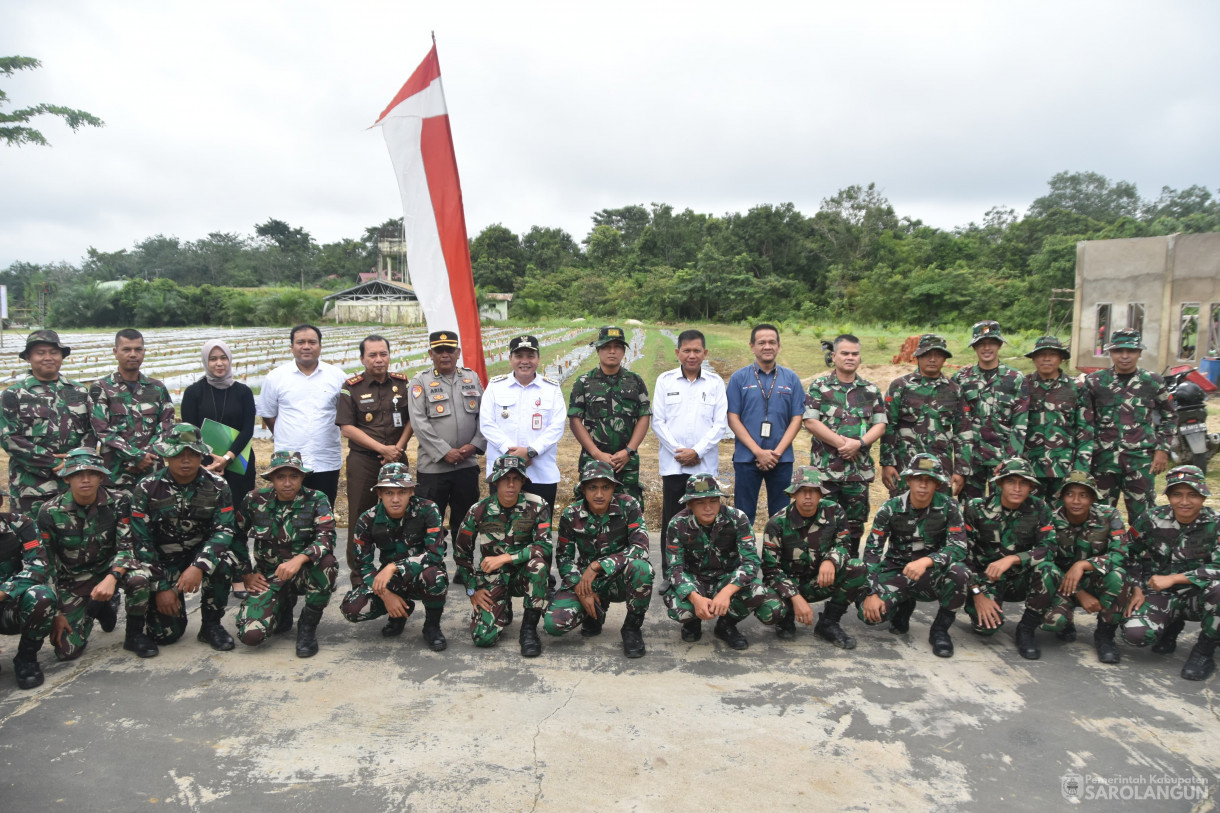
(219, 439)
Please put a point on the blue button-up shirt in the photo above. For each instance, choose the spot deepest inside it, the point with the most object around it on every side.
(746, 402)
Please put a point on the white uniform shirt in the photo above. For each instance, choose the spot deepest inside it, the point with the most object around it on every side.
(532, 415)
(304, 410)
(689, 415)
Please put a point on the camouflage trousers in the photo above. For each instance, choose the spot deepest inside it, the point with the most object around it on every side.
(755, 598)
(1058, 615)
(428, 583)
(1128, 473)
(632, 584)
(1017, 584)
(850, 582)
(629, 476)
(977, 482)
(1162, 607)
(947, 586)
(28, 611)
(31, 489)
(527, 579)
(213, 597)
(1048, 487)
(315, 581)
(74, 604)
(852, 497)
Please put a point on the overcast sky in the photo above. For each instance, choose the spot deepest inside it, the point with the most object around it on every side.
(220, 115)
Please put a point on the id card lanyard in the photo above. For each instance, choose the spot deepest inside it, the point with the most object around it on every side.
(764, 431)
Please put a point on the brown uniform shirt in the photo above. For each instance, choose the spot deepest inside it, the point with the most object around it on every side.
(371, 407)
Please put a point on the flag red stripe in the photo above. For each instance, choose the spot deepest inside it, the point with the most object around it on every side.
(428, 70)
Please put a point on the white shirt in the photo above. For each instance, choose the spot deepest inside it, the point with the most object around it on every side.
(532, 415)
(304, 410)
(689, 415)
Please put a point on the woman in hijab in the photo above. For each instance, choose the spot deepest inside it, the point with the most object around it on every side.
(219, 397)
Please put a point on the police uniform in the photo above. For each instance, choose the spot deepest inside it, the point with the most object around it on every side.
(445, 416)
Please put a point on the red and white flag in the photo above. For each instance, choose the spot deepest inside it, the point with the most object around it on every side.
(416, 130)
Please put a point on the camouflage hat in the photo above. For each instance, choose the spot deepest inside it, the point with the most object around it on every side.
(1016, 467)
(442, 338)
(523, 343)
(83, 459)
(1049, 343)
(1079, 478)
(43, 337)
(986, 329)
(1187, 475)
(285, 459)
(1128, 339)
(925, 465)
(700, 486)
(597, 470)
(609, 334)
(805, 477)
(182, 437)
(394, 475)
(506, 463)
(931, 341)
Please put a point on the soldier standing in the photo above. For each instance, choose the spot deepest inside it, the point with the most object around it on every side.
(404, 532)
(998, 405)
(1176, 556)
(290, 531)
(714, 567)
(513, 559)
(87, 540)
(926, 539)
(603, 557)
(27, 599)
(42, 417)
(1059, 434)
(131, 412)
(444, 404)
(927, 414)
(846, 415)
(609, 412)
(805, 559)
(1133, 419)
(182, 518)
(372, 414)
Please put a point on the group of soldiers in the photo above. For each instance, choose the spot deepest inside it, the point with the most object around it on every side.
(1003, 488)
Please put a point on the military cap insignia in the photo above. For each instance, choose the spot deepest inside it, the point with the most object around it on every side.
(702, 486)
(927, 464)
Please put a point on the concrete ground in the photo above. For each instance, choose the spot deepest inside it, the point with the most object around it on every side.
(388, 725)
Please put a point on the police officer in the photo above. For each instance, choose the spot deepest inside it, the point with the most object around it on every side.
(444, 404)
(372, 414)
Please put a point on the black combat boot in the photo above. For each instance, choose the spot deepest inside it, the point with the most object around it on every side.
(828, 626)
(938, 635)
(591, 625)
(1200, 664)
(692, 631)
(727, 631)
(307, 632)
(284, 612)
(137, 641)
(212, 633)
(432, 629)
(1168, 640)
(28, 672)
(1068, 633)
(1103, 640)
(633, 640)
(106, 612)
(900, 621)
(785, 628)
(1027, 628)
(394, 627)
(531, 644)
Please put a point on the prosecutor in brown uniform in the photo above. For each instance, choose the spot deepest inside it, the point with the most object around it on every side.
(444, 403)
(372, 415)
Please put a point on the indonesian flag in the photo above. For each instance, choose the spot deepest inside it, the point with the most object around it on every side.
(416, 129)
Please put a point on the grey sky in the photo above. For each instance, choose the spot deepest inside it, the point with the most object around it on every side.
(220, 115)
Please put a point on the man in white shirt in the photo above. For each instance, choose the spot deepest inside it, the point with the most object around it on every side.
(297, 405)
(689, 417)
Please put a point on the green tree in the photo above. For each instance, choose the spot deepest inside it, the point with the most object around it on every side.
(289, 250)
(496, 259)
(1090, 194)
(14, 127)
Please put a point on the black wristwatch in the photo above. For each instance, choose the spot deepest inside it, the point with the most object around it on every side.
(118, 577)
(530, 453)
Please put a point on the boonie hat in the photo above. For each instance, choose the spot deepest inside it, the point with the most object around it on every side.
(986, 329)
(506, 463)
(1015, 467)
(285, 459)
(925, 465)
(1187, 475)
(43, 337)
(1079, 478)
(700, 486)
(182, 437)
(805, 477)
(931, 341)
(394, 475)
(1049, 343)
(83, 459)
(1126, 339)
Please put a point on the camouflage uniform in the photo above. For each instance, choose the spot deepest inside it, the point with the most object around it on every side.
(927, 415)
(522, 531)
(278, 531)
(610, 406)
(1132, 420)
(998, 407)
(849, 410)
(178, 526)
(30, 606)
(128, 420)
(415, 544)
(1059, 437)
(1102, 540)
(794, 548)
(1160, 546)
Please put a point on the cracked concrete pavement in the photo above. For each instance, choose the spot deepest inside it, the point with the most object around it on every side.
(389, 725)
